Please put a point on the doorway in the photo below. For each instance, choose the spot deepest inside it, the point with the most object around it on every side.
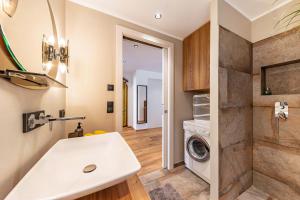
(143, 102)
(167, 107)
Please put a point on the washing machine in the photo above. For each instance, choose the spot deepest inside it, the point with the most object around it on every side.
(197, 147)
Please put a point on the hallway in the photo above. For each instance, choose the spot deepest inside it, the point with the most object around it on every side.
(147, 146)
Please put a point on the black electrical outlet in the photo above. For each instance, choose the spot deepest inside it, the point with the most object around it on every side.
(110, 107)
(110, 87)
(27, 119)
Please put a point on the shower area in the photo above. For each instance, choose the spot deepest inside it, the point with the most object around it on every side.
(259, 116)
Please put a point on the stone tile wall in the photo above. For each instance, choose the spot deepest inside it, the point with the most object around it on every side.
(276, 148)
(235, 114)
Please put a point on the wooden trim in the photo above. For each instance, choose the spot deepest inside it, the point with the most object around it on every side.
(141, 42)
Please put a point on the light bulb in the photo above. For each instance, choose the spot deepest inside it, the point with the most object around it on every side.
(62, 42)
(62, 67)
(9, 6)
(51, 40)
(49, 65)
(158, 16)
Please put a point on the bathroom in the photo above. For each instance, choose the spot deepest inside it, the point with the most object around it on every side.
(61, 65)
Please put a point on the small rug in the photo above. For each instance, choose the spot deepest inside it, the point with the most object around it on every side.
(167, 192)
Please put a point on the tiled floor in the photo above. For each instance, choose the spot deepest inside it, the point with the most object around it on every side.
(187, 184)
(255, 194)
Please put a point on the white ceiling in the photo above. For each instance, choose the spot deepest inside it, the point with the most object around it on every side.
(144, 57)
(254, 9)
(179, 17)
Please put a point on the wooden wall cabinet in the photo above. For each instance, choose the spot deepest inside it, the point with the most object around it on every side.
(196, 60)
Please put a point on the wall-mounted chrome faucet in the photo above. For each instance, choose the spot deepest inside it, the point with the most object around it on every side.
(37, 119)
(281, 110)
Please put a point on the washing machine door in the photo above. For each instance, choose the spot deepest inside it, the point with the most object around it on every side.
(198, 148)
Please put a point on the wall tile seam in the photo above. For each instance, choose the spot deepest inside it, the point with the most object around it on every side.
(245, 142)
(228, 107)
(280, 147)
(278, 143)
(276, 37)
(256, 105)
(249, 42)
(230, 68)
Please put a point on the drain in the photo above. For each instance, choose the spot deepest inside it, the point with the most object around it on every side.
(89, 168)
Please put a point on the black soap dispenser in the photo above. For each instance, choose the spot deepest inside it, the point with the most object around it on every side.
(79, 130)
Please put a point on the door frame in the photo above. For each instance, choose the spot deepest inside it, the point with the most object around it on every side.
(168, 71)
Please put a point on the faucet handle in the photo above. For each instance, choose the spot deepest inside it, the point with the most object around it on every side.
(281, 110)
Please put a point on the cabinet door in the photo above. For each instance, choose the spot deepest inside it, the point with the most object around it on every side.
(196, 57)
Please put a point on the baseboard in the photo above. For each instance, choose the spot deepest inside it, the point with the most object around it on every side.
(179, 164)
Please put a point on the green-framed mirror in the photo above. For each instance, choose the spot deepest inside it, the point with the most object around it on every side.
(21, 45)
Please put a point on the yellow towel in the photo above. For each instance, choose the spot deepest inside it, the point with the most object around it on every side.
(96, 132)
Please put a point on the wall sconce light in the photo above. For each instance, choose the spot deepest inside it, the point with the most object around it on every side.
(9, 7)
(51, 54)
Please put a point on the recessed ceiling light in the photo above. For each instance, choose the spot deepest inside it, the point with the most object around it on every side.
(135, 45)
(158, 16)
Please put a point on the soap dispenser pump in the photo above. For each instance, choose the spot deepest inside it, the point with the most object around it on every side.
(79, 130)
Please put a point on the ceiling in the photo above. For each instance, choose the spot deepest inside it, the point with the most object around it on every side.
(143, 57)
(175, 13)
(254, 9)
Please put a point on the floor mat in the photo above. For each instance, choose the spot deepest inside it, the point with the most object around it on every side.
(167, 192)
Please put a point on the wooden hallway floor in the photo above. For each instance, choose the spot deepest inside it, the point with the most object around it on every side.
(147, 146)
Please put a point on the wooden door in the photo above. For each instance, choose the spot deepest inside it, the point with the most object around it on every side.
(125, 103)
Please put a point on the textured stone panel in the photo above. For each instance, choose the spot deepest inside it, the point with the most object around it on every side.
(278, 162)
(263, 100)
(265, 125)
(235, 52)
(277, 49)
(236, 88)
(235, 162)
(238, 187)
(236, 125)
(283, 79)
(289, 130)
(274, 187)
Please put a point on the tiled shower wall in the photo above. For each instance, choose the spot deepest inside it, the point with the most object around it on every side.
(235, 114)
(276, 148)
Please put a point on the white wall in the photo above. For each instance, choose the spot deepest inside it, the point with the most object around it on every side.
(142, 77)
(233, 20)
(265, 26)
(18, 151)
(258, 29)
(154, 103)
(92, 47)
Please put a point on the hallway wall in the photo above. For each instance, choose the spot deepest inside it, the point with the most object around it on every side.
(154, 103)
(92, 48)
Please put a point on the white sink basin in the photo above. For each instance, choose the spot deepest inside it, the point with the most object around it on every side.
(59, 173)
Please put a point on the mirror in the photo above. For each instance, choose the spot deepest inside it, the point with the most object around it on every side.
(21, 44)
(141, 104)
